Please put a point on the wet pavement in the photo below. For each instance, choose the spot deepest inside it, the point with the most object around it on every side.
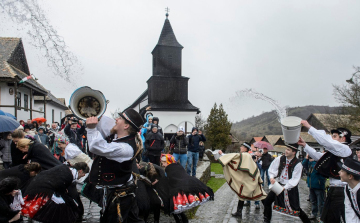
(217, 211)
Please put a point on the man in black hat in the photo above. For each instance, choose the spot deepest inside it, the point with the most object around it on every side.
(337, 147)
(74, 133)
(113, 166)
(350, 173)
(287, 169)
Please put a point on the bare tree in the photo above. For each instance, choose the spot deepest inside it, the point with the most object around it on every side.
(200, 122)
(44, 37)
(348, 95)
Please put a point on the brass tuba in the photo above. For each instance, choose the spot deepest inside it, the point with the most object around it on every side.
(86, 102)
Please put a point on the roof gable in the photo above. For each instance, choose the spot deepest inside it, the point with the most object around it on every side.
(12, 51)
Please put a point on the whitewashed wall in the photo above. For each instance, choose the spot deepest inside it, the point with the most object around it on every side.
(171, 120)
(7, 99)
(49, 107)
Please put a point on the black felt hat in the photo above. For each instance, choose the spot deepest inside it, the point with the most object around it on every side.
(247, 145)
(133, 117)
(351, 166)
(343, 132)
(293, 146)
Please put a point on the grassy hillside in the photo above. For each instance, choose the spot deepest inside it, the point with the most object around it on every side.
(267, 123)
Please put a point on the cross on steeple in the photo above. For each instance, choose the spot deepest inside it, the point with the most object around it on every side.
(167, 10)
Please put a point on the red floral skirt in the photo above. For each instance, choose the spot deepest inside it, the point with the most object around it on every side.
(31, 207)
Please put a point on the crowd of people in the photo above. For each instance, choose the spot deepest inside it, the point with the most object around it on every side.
(107, 161)
(125, 167)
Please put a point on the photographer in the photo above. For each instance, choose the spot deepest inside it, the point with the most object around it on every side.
(74, 133)
(180, 141)
(193, 150)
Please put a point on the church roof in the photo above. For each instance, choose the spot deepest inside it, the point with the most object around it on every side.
(167, 36)
(139, 99)
(158, 106)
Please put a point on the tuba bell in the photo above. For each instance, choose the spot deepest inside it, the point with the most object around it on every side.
(86, 102)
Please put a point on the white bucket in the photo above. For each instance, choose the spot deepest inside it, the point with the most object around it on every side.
(291, 127)
(276, 188)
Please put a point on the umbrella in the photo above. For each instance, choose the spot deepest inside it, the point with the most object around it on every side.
(262, 145)
(7, 114)
(41, 119)
(8, 124)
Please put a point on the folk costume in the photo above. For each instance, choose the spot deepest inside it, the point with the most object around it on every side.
(19, 172)
(179, 191)
(49, 198)
(112, 170)
(7, 210)
(42, 155)
(243, 177)
(352, 195)
(326, 165)
(288, 174)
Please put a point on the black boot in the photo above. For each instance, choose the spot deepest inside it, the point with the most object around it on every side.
(238, 213)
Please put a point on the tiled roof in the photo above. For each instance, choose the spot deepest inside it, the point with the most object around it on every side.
(272, 139)
(257, 139)
(167, 36)
(7, 70)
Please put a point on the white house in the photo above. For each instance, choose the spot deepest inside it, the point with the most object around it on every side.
(22, 100)
(55, 108)
(167, 91)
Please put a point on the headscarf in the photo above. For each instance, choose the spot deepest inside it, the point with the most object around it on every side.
(60, 138)
(168, 158)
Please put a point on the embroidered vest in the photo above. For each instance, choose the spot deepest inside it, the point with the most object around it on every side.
(291, 168)
(327, 165)
(110, 172)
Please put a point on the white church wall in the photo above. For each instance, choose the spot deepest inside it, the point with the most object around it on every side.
(171, 120)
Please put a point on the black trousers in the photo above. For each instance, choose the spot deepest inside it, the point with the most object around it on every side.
(267, 202)
(128, 209)
(154, 159)
(334, 207)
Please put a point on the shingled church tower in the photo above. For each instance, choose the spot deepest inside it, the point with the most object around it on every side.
(167, 91)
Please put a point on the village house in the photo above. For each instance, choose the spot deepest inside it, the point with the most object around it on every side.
(27, 100)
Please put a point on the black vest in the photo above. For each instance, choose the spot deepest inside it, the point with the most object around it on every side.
(327, 165)
(110, 172)
(291, 167)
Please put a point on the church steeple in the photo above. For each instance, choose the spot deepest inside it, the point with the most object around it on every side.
(167, 52)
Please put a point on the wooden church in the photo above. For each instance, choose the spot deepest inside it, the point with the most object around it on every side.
(167, 91)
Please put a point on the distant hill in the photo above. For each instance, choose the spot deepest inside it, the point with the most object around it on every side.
(268, 124)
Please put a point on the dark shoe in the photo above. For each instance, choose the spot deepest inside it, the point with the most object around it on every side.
(266, 220)
(237, 214)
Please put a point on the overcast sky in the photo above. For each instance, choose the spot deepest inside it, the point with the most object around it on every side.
(291, 51)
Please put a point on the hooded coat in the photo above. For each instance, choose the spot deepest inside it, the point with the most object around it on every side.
(159, 128)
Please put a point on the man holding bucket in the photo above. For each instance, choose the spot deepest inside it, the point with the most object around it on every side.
(284, 192)
(337, 147)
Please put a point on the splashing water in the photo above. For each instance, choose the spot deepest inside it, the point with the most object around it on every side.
(44, 36)
(281, 111)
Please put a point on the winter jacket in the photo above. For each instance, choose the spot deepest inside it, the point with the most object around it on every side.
(5, 150)
(44, 139)
(75, 135)
(314, 179)
(154, 143)
(42, 155)
(266, 159)
(180, 143)
(194, 141)
(146, 127)
(159, 128)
